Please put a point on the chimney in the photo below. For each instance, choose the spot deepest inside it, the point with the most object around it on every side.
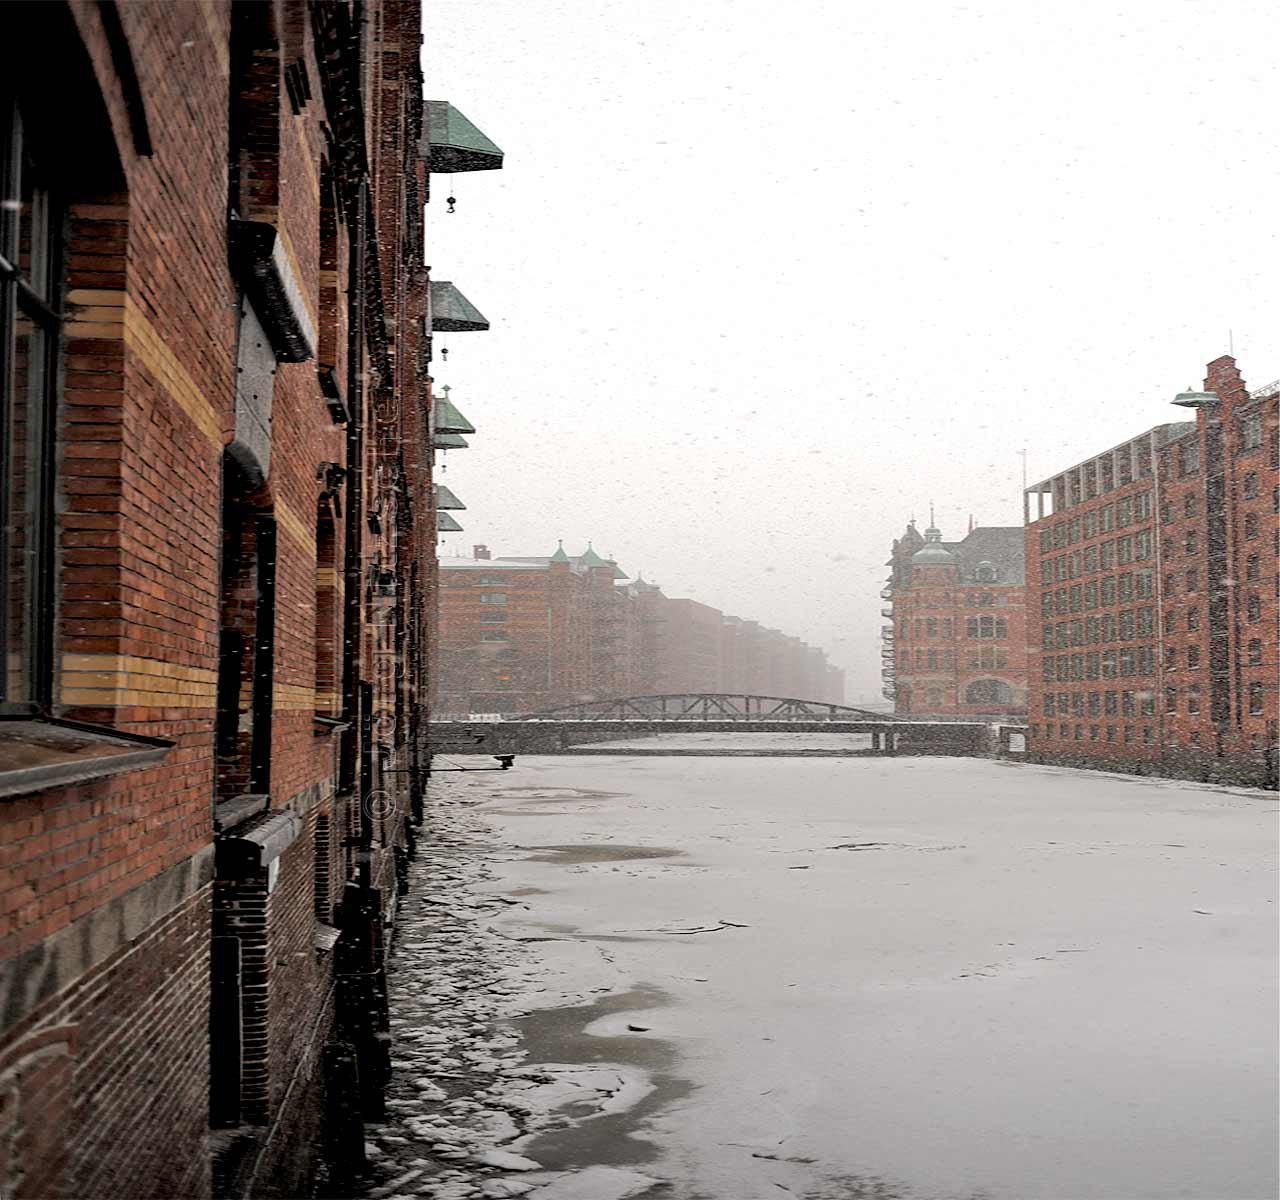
(481, 552)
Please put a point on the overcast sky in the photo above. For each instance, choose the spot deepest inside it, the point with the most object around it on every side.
(766, 279)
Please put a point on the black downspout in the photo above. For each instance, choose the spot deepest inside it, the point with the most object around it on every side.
(353, 598)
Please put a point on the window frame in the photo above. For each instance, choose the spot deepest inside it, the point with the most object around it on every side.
(21, 298)
(67, 752)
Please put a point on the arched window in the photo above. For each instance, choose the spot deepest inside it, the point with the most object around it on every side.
(988, 691)
(985, 573)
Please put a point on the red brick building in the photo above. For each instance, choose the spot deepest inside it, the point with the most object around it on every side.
(217, 572)
(526, 634)
(1154, 569)
(955, 644)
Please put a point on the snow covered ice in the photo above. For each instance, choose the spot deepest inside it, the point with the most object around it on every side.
(723, 979)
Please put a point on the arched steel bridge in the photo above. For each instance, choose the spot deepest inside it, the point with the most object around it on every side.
(705, 706)
(559, 730)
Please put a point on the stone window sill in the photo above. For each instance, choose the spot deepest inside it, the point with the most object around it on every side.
(45, 752)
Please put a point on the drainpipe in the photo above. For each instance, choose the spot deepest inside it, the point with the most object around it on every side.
(353, 573)
(1157, 537)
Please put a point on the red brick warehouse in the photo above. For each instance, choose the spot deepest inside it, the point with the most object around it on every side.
(524, 634)
(217, 566)
(1155, 576)
(955, 644)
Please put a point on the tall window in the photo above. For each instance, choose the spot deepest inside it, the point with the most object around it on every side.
(29, 327)
(246, 642)
(327, 633)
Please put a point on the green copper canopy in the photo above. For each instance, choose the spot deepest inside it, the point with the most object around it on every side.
(446, 524)
(1192, 399)
(446, 499)
(452, 312)
(591, 558)
(449, 419)
(456, 145)
(560, 556)
(449, 441)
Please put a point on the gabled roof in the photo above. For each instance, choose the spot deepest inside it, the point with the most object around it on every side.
(1003, 546)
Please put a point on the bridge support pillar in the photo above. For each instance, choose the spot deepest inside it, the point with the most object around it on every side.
(890, 742)
(875, 741)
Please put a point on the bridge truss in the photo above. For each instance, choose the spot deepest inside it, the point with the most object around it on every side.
(706, 706)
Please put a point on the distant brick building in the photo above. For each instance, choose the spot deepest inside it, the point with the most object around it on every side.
(1154, 585)
(955, 644)
(217, 547)
(527, 634)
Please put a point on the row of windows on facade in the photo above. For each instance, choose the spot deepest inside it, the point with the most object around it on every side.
(1127, 511)
(980, 691)
(971, 600)
(1117, 627)
(976, 660)
(1138, 703)
(1123, 550)
(1116, 468)
(1104, 664)
(1191, 545)
(1123, 626)
(1119, 551)
(1191, 659)
(1106, 592)
(1130, 734)
(974, 627)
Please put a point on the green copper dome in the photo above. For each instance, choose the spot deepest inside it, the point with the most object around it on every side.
(933, 553)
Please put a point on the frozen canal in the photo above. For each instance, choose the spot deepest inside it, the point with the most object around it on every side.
(854, 978)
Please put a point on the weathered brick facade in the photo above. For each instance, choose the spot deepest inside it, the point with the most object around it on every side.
(218, 573)
(522, 635)
(955, 644)
(1154, 577)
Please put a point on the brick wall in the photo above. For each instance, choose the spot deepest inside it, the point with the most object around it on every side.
(114, 904)
(1155, 584)
(957, 632)
(523, 635)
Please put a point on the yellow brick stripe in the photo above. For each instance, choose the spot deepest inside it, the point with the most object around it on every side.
(142, 339)
(126, 681)
(95, 313)
(293, 697)
(295, 526)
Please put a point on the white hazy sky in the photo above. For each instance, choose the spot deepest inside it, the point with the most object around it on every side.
(765, 279)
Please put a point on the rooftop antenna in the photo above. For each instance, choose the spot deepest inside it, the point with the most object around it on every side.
(1231, 343)
(932, 523)
(1023, 452)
